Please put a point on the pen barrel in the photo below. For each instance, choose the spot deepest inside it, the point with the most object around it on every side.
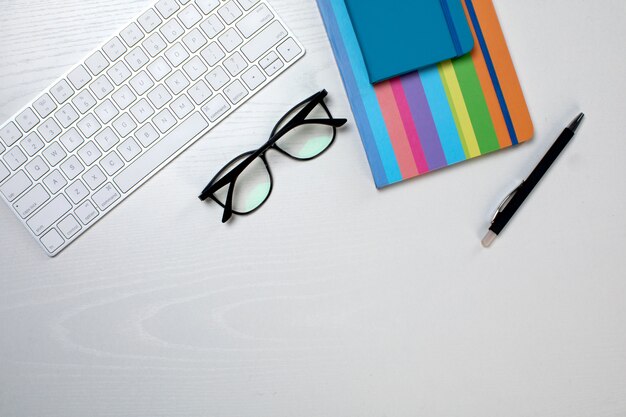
(503, 218)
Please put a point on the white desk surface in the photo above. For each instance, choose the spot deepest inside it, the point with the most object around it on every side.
(335, 299)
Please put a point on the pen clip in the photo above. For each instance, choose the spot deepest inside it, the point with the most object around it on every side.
(505, 202)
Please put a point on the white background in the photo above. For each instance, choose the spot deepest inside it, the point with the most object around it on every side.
(335, 299)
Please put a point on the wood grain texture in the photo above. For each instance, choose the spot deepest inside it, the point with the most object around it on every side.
(335, 299)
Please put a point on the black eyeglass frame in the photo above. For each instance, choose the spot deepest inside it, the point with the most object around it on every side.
(299, 119)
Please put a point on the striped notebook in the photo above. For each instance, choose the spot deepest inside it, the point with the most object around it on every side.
(438, 116)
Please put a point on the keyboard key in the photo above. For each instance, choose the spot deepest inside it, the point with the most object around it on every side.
(235, 64)
(149, 21)
(200, 92)
(62, 91)
(164, 120)
(137, 58)
(84, 101)
(160, 152)
(255, 20)
(101, 87)
(190, 16)
(218, 78)
(106, 111)
(55, 181)
(216, 108)
(15, 186)
(15, 158)
(27, 119)
(79, 77)
(124, 97)
(4, 172)
(213, 54)
(54, 154)
(32, 144)
(141, 83)
(89, 153)
(129, 149)
(212, 26)
(253, 77)
(77, 192)
(268, 59)
(111, 163)
(147, 134)
(72, 167)
(69, 226)
(86, 212)
(289, 50)
(194, 40)
(97, 63)
(49, 215)
(264, 41)
(89, 125)
(172, 30)
(52, 241)
(154, 44)
(10, 134)
(37, 168)
(167, 7)
(119, 73)
(44, 105)
(247, 4)
(207, 6)
(114, 49)
(94, 177)
(142, 111)
(230, 40)
(124, 124)
(31, 201)
(107, 139)
(236, 92)
(132, 34)
(177, 54)
(49, 129)
(230, 12)
(274, 67)
(159, 68)
(177, 82)
(195, 68)
(66, 115)
(106, 197)
(159, 97)
(71, 140)
(182, 106)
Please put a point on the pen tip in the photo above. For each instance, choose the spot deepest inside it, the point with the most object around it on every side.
(489, 238)
(576, 122)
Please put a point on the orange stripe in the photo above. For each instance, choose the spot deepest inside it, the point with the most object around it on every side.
(494, 37)
(502, 132)
(399, 138)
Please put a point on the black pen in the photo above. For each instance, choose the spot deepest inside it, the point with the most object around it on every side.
(514, 201)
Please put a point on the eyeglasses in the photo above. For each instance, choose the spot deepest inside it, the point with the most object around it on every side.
(303, 133)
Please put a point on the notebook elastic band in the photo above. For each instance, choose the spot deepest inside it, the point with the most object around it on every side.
(451, 27)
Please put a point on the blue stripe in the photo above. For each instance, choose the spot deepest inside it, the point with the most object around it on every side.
(365, 105)
(451, 27)
(492, 72)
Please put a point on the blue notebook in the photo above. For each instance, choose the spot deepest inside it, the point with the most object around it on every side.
(397, 37)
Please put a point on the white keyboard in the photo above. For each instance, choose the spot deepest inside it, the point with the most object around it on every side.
(133, 105)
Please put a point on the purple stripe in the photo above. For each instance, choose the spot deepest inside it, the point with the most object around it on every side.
(424, 122)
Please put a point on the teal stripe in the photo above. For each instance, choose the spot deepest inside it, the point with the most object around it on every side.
(368, 94)
(442, 115)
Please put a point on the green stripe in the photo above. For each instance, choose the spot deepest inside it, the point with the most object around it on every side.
(455, 116)
(476, 104)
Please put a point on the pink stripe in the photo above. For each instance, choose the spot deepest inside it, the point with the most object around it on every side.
(395, 127)
(409, 125)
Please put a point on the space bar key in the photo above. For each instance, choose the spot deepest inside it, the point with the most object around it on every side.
(160, 152)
